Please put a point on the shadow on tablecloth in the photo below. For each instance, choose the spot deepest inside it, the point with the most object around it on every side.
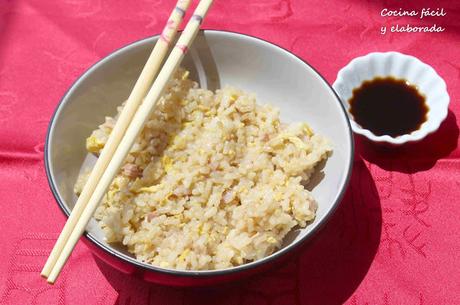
(327, 270)
(414, 157)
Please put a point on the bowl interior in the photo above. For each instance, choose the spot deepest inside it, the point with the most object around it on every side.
(216, 59)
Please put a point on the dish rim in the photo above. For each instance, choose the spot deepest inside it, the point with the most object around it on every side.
(198, 273)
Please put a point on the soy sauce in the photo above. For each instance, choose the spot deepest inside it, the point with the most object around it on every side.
(388, 106)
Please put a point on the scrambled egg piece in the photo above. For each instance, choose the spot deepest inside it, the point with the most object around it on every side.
(279, 141)
(149, 189)
(185, 75)
(93, 145)
(166, 162)
(307, 129)
(278, 196)
(200, 229)
(184, 254)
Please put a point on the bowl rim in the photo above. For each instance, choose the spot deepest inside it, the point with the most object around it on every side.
(405, 138)
(199, 273)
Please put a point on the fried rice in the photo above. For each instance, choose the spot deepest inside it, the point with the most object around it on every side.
(214, 180)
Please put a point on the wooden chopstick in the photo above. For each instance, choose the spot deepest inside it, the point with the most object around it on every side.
(140, 89)
(142, 115)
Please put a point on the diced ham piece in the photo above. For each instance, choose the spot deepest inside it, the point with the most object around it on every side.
(131, 170)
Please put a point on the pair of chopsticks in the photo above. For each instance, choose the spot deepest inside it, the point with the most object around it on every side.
(128, 126)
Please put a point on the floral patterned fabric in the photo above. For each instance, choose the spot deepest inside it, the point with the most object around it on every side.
(393, 240)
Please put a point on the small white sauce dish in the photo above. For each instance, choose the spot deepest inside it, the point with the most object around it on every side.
(399, 66)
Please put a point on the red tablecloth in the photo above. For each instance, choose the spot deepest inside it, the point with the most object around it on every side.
(395, 237)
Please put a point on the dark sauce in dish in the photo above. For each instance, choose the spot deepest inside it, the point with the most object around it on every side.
(388, 106)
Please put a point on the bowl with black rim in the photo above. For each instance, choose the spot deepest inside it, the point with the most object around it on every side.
(216, 59)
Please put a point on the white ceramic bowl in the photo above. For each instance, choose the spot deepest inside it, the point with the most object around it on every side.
(216, 58)
(402, 66)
